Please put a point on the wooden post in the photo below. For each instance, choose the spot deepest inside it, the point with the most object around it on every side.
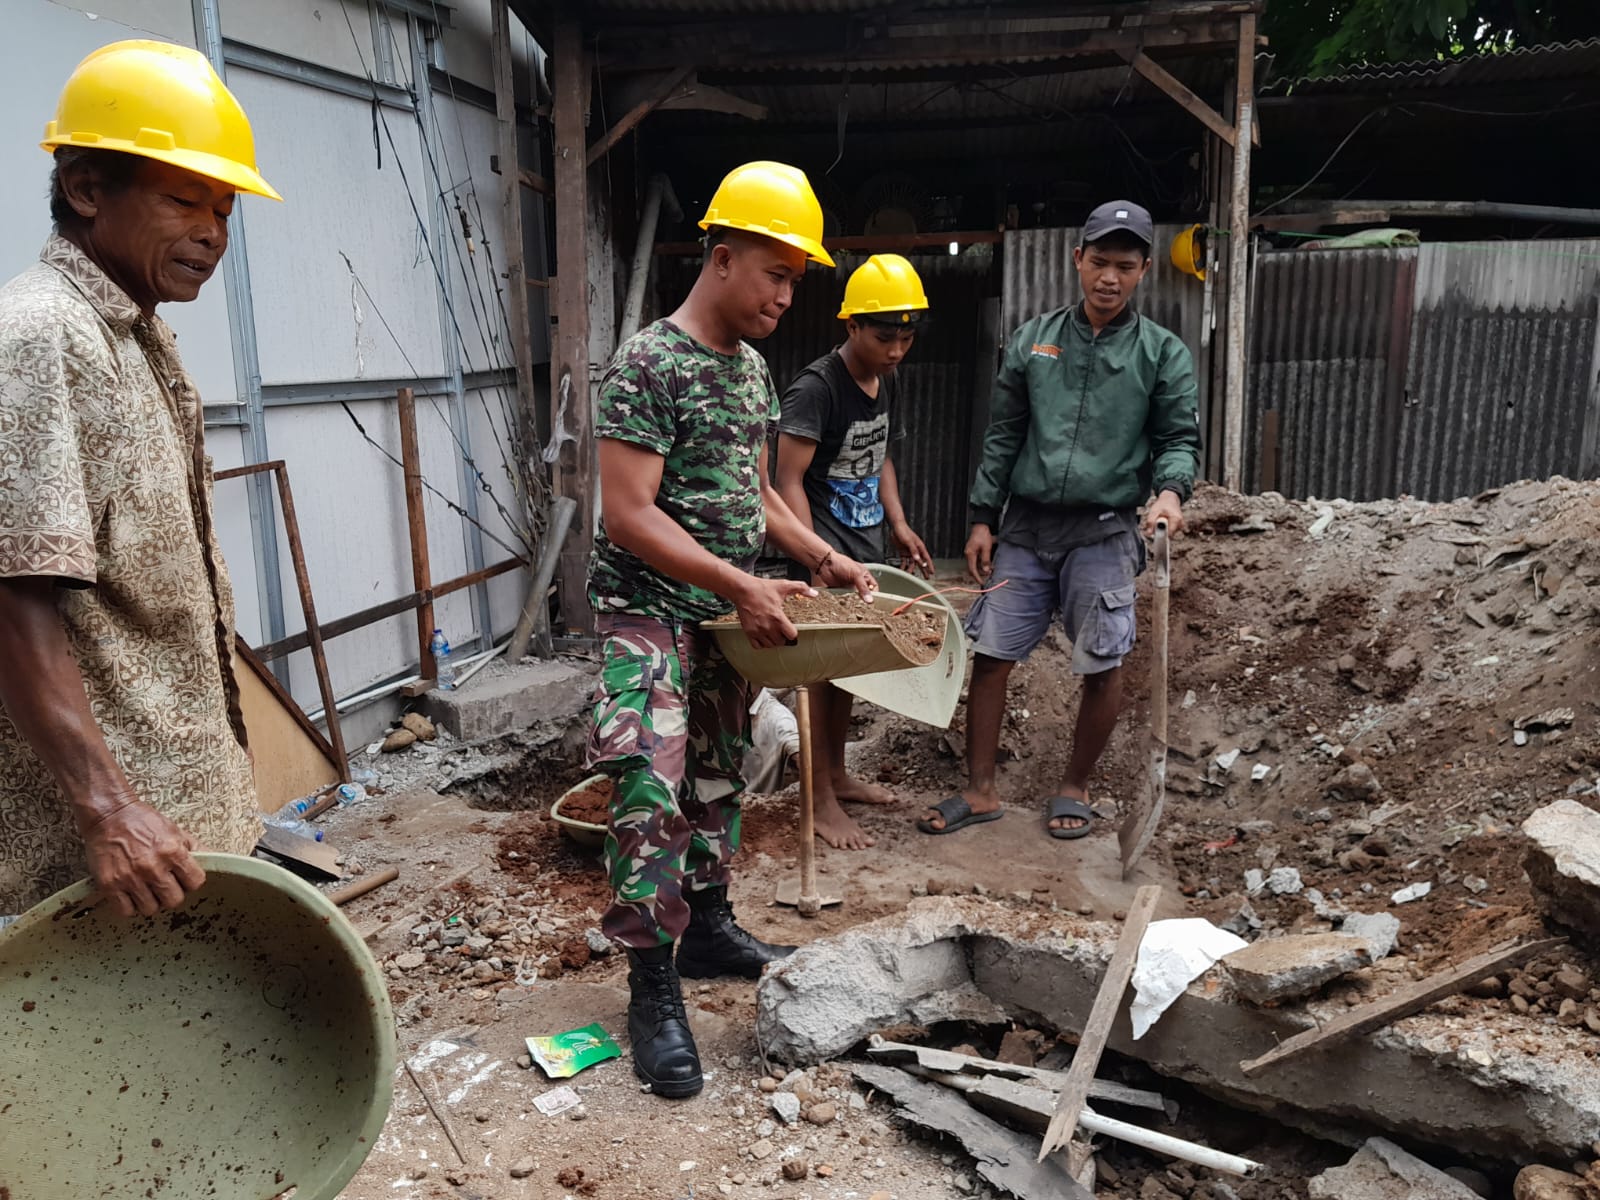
(417, 527)
(569, 358)
(1239, 258)
(302, 579)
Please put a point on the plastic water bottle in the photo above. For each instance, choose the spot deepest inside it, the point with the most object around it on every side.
(444, 673)
(293, 810)
(293, 824)
(350, 793)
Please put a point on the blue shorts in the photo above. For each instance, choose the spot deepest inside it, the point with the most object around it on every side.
(1092, 588)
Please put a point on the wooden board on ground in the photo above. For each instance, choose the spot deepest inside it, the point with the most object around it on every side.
(1412, 998)
(1097, 1029)
(292, 758)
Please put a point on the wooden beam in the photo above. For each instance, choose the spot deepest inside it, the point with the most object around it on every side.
(1239, 259)
(876, 243)
(417, 528)
(1412, 998)
(535, 183)
(1179, 91)
(702, 97)
(638, 113)
(1097, 1029)
(571, 404)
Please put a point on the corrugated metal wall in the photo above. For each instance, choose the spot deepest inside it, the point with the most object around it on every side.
(1436, 372)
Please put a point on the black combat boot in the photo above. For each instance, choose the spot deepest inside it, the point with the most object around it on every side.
(663, 1048)
(714, 945)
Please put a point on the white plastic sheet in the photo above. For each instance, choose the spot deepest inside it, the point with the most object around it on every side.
(1172, 956)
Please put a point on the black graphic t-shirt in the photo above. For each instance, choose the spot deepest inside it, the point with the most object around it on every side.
(853, 432)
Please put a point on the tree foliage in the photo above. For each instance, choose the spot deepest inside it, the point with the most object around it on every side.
(1313, 37)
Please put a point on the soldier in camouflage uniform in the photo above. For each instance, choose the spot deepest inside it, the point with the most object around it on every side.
(682, 422)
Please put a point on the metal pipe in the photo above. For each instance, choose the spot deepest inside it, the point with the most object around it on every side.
(657, 192)
(535, 610)
(1161, 1143)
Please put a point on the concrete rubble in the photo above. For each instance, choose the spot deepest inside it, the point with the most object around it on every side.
(1484, 1096)
(1383, 1171)
(505, 698)
(1286, 968)
(1563, 862)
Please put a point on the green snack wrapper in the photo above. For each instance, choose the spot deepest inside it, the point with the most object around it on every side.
(563, 1055)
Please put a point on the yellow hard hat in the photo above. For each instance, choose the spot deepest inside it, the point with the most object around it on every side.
(1186, 253)
(159, 101)
(774, 200)
(885, 286)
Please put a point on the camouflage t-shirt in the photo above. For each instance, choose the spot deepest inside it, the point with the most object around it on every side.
(707, 414)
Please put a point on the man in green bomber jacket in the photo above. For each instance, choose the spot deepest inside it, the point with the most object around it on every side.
(1094, 413)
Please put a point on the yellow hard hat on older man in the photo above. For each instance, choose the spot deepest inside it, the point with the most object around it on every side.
(161, 101)
(774, 200)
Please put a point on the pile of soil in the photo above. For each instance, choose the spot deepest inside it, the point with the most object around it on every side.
(917, 633)
(592, 805)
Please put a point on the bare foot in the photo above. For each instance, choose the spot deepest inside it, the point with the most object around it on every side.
(1071, 792)
(977, 801)
(856, 791)
(837, 827)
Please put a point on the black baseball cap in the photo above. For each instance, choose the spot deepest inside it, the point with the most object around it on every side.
(1119, 216)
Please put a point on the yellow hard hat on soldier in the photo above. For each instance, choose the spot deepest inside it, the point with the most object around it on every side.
(774, 200)
(886, 285)
(160, 101)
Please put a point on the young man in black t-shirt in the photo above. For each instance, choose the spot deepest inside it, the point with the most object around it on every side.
(835, 472)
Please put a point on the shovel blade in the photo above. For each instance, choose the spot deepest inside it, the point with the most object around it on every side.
(1139, 826)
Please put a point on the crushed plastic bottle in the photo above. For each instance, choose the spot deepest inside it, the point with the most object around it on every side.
(293, 824)
(351, 793)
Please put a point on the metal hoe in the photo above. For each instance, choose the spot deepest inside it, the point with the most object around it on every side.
(1139, 827)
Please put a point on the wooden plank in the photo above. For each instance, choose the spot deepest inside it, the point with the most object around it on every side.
(289, 756)
(1097, 1030)
(1179, 91)
(368, 884)
(535, 183)
(574, 474)
(638, 112)
(1412, 998)
(1269, 450)
(319, 660)
(1238, 316)
(318, 858)
(876, 244)
(417, 529)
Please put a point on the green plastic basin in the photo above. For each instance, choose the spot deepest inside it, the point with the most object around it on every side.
(585, 833)
(928, 693)
(230, 1050)
(821, 653)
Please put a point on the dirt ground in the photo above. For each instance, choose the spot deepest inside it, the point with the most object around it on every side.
(1347, 684)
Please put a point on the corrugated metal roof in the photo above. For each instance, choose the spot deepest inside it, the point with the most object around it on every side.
(1558, 60)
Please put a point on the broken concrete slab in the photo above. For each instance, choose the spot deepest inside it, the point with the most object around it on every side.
(1004, 1157)
(1379, 930)
(1383, 1171)
(507, 697)
(1520, 1089)
(1563, 862)
(1547, 1183)
(1286, 968)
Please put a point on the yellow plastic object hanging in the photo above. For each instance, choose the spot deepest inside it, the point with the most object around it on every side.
(1187, 252)
(159, 101)
(774, 200)
(886, 284)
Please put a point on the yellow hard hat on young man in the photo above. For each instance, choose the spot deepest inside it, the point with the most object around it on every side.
(161, 101)
(774, 200)
(885, 289)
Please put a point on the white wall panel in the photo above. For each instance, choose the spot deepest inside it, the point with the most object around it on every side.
(170, 20)
(487, 423)
(312, 30)
(317, 148)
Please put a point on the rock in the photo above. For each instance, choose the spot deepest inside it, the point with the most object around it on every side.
(1402, 660)
(822, 1114)
(419, 725)
(1020, 1047)
(1347, 664)
(1547, 1183)
(1286, 968)
(410, 961)
(963, 1183)
(1284, 881)
(1356, 782)
(1153, 1189)
(796, 1169)
(759, 1150)
(1244, 921)
(1379, 930)
(399, 740)
(523, 1167)
(525, 1061)
(456, 1177)
(768, 1085)
(599, 945)
(1570, 982)
(1563, 862)
(1383, 1171)
(787, 1106)
(1412, 891)
(1254, 880)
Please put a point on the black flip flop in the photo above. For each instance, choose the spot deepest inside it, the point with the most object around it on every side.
(957, 814)
(1068, 806)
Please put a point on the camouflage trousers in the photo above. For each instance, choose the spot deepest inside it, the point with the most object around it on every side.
(671, 726)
